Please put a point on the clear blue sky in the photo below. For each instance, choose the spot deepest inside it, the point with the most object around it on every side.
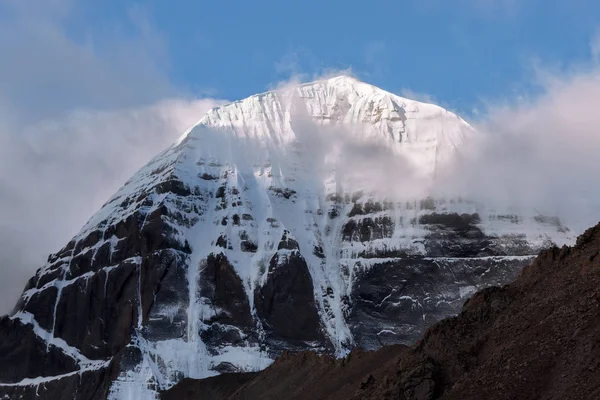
(459, 52)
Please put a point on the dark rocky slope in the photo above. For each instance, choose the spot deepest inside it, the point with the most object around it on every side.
(536, 338)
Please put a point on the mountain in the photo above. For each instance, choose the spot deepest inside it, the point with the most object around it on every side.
(536, 338)
(298, 219)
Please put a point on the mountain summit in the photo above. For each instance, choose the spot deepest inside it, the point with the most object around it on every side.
(283, 222)
(424, 133)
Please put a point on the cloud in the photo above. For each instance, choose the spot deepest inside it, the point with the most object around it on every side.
(347, 157)
(539, 152)
(536, 155)
(47, 69)
(79, 114)
(542, 154)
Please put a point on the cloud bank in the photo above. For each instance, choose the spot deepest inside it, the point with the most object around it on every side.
(539, 154)
(532, 156)
(77, 119)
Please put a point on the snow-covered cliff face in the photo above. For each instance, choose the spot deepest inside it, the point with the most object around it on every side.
(293, 219)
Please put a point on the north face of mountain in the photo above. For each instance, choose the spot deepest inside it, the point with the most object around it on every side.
(256, 234)
(536, 338)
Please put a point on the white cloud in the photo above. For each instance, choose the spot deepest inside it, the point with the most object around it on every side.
(78, 116)
(536, 155)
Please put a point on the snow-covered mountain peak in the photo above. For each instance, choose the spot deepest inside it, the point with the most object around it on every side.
(336, 132)
(286, 221)
(424, 134)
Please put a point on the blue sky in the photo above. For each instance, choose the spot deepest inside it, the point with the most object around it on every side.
(460, 53)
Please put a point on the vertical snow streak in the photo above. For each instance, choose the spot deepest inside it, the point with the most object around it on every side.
(139, 295)
(205, 228)
(342, 335)
(193, 276)
(60, 286)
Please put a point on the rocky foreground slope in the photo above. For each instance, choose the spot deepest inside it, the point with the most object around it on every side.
(260, 231)
(536, 338)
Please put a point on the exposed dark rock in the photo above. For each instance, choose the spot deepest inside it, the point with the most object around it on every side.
(287, 242)
(357, 209)
(248, 246)
(333, 212)
(56, 272)
(220, 284)
(395, 301)
(95, 311)
(318, 251)
(273, 222)
(460, 223)
(93, 385)
(222, 241)
(21, 349)
(208, 177)
(286, 303)
(218, 335)
(368, 229)
(168, 318)
(283, 192)
(174, 186)
(41, 306)
(100, 322)
(220, 194)
(216, 387)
